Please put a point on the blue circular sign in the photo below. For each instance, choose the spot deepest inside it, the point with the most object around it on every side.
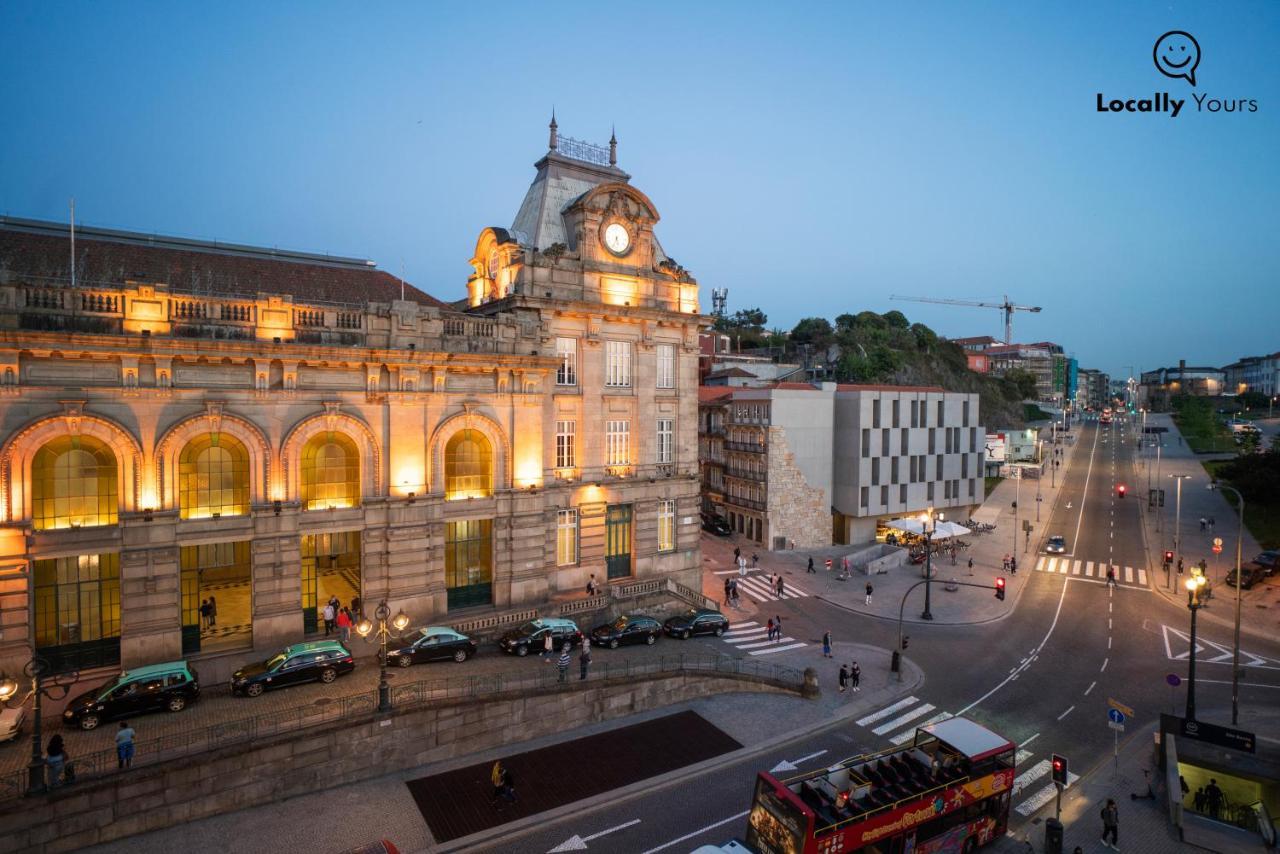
(1115, 716)
(1173, 679)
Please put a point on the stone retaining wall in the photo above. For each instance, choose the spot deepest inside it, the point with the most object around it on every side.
(347, 751)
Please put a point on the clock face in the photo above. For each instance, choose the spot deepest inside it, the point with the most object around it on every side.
(617, 238)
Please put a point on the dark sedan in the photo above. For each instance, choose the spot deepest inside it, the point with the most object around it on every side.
(697, 621)
(1251, 573)
(1268, 561)
(716, 525)
(433, 643)
(633, 629)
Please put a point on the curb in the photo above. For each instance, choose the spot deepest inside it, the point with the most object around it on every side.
(476, 842)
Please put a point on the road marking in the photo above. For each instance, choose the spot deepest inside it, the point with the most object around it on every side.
(1075, 568)
(886, 711)
(1108, 641)
(1088, 569)
(1053, 565)
(777, 649)
(743, 634)
(1067, 712)
(917, 712)
(1142, 576)
(1085, 495)
(1104, 664)
(1023, 756)
(1128, 575)
(742, 625)
(1042, 797)
(698, 832)
(1029, 740)
(907, 734)
(1090, 688)
(1040, 565)
(1026, 778)
(763, 643)
(579, 843)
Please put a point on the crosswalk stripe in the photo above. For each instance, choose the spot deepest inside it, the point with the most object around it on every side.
(886, 711)
(1026, 778)
(910, 732)
(758, 593)
(1088, 569)
(1023, 756)
(777, 649)
(1075, 568)
(1142, 576)
(742, 625)
(1042, 797)
(762, 643)
(1128, 575)
(1040, 565)
(1053, 565)
(745, 634)
(901, 720)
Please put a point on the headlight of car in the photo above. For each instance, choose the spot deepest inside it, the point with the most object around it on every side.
(68, 714)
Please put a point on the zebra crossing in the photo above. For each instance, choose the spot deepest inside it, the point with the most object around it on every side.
(1096, 570)
(759, 588)
(753, 638)
(899, 721)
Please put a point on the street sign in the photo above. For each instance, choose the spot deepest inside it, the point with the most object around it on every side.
(1219, 735)
(1120, 707)
(1115, 719)
(1217, 541)
(1217, 550)
(1174, 680)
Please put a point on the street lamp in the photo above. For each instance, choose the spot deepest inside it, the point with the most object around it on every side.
(1040, 473)
(1177, 517)
(1194, 585)
(365, 627)
(36, 670)
(1235, 659)
(929, 523)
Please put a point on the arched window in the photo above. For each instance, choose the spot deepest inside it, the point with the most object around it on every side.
(74, 483)
(213, 477)
(468, 466)
(330, 472)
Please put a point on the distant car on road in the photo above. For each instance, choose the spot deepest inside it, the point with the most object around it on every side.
(716, 525)
(432, 643)
(627, 629)
(1057, 545)
(322, 661)
(1251, 574)
(696, 621)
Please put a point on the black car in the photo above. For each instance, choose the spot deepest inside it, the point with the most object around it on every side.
(632, 629)
(716, 525)
(156, 687)
(1268, 561)
(317, 661)
(697, 621)
(532, 636)
(1252, 575)
(433, 643)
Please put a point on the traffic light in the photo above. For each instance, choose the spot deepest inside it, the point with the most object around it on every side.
(1168, 556)
(1120, 490)
(906, 639)
(1059, 769)
(1000, 589)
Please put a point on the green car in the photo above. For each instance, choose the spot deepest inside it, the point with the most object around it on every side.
(317, 661)
(156, 687)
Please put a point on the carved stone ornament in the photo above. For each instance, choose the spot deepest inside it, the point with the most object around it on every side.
(73, 414)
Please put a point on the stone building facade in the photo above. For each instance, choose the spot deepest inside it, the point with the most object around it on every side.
(194, 423)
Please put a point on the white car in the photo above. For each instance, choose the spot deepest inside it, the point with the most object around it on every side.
(1057, 545)
(11, 723)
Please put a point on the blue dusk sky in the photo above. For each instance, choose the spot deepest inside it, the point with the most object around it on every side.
(813, 159)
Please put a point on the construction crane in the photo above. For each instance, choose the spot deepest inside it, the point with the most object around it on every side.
(1006, 308)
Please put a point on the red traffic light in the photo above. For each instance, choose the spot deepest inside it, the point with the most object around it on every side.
(1059, 769)
(1120, 489)
(1000, 589)
(1168, 557)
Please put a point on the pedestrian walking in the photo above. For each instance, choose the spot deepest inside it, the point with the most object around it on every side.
(509, 786)
(1013, 566)
(1111, 824)
(770, 628)
(56, 759)
(870, 590)
(1203, 522)
(755, 560)
(591, 585)
(728, 591)
(213, 611)
(584, 659)
(826, 644)
(733, 590)
(782, 586)
(1198, 800)
(1212, 523)
(1213, 796)
(204, 613)
(1111, 576)
(548, 644)
(971, 566)
(843, 678)
(777, 628)
(742, 566)
(810, 568)
(1005, 565)
(329, 618)
(855, 676)
(737, 553)
(124, 745)
(563, 664)
(495, 778)
(357, 607)
(344, 626)
(337, 605)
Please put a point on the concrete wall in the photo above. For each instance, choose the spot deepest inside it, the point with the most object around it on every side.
(354, 749)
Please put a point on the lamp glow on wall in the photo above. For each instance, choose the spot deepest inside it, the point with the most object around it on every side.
(528, 469)
(615, 290)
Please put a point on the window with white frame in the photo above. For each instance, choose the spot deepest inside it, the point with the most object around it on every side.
(617, 365)
(666, 526)
(567, 359)
(617, 436)
(566, 444)
(666, 440)
(666, 366)
(566, 537)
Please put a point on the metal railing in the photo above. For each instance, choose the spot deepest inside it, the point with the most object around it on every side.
(159, 749)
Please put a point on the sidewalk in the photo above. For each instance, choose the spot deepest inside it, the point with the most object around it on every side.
(1260, 606)
(965, 605)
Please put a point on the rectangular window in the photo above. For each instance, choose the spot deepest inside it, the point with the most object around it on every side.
(617, 435)
(875, 471)
(930, 489)
(566, 361)
(913, 469)
(666, 440)
(666, 526)
(902, 494)
(915, 413)
(964, 465)
(468, 562)
(940, 419)
(933, 439)
(893, 470)
(906, 441)
(666, 366)
(617, 367)
(566, 537)
(77, 610)
(866, 442)
(973, 485)
(884, 496)
(966, 414)
(864, 496)
(938, 476)
(884, 443)
(973, 440)
(896, 409)
(566, 444)
(875, 413)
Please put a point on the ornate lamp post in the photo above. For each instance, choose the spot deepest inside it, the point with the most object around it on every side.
(1235, 660)
(365, 627)
(36, 670)
(929, 522)
(1194, 585)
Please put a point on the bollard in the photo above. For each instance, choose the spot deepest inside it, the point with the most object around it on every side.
(895, 663)
(1052, 836)
(810, 691)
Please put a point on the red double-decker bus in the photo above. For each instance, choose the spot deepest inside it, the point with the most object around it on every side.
(947, 790)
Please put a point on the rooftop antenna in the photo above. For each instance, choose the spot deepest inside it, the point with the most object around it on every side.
(73, 241)
(719, 299)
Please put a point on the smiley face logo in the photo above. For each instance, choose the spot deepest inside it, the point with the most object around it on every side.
(1177, 54)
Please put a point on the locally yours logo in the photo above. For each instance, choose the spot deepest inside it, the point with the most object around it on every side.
(1176, 55)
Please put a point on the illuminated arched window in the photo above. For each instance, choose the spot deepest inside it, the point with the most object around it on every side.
(468, 466)
(330, 472)
(73, 483)
(213, 477)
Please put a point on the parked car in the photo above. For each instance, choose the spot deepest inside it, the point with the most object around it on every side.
(432, 643)
(635, 628)
(1057, 545)
(696, 621)
(171, 686)
(1269, 561)
(1252, 575)
(533, 636)
(316, 661)
(716, 525)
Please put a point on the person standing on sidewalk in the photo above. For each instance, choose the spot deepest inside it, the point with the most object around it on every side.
(1013, 566)
(728, 591)
(1111, 824)
(563, 664)
(777, 628)
(733, 590)
(124, 745)
(769, 636)
(826, 644)
(584, 659)
(213, 611)
(810, 567)
(870, 589)
(56, 759)
(548, 645)
(971, 566)
(782, 586)
(755, 560)
(737, 553)
(843, 678)
(855, 676)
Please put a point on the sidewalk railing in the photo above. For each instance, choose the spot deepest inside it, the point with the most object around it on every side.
(247, 730)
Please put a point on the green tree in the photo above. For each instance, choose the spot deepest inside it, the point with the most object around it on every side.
(1021, 383)
(896, 319)
(812, 330)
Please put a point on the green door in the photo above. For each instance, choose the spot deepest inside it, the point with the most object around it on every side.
(468, 563)
(308, 588)
(617, 539)
(189, 582)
